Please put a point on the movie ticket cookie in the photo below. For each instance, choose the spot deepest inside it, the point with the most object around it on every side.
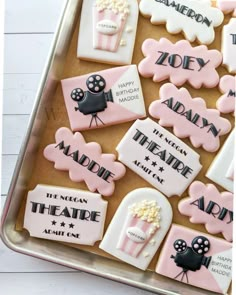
(206, 205)
(84, 161)
(65, 214)
(159, 157)
(226, 103)
(108, 30)
(180, 63)
(227, 6)
(196, 19)
(189, 117)
(229, 46)
(104, 98)
(196, 259)
(221, 170)
(138, 227)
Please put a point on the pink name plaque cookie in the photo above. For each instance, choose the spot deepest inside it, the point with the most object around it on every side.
(196, 259)
(208, 206)
(229, 45)
(159, 157)
(196, 19)
(180, 63)
(227, 6)
(65, 214)
(226, 103)
(84, 161)
(189, 117)
(138, 227)
(221, 170)
(108, 30)
(104, 98)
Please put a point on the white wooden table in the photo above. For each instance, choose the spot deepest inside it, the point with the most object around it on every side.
(29, 29)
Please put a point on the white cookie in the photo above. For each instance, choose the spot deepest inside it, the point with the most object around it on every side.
(229, 45)
(195, 18)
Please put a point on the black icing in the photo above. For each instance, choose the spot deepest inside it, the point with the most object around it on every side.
(191, 258)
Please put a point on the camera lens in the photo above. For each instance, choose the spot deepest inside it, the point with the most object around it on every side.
(77, 94)
(180, 245)
(201, 245)
(96, 83)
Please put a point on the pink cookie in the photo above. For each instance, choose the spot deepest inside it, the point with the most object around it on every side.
(104, 98)
(229, 46)
(208, 206)
(84, 161)
(227, 6)
(189, 117)
(197, 259)
(65, 214)
(226, 103)
(180, 63)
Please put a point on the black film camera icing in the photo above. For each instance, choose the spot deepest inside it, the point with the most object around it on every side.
(191, 258)
(94, 100)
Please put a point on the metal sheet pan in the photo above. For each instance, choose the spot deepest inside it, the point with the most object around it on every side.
(48, 250)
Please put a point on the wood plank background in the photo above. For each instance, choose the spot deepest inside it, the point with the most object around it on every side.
(28, 32)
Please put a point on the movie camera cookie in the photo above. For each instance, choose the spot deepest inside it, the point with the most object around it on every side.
(84, 161)
(104, 98)
(196, 19)
(138, 227)
(180, 63)
(189, 117)
(65, 214)
(108, 30)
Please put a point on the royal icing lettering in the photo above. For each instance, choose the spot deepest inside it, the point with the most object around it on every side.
(189, 117)
(227, 6)
(159, 157)
(226, 103)
(208, 206)
(104, 98)
(229, 45)
(138, 227)
(180, 63)
(221, 171)
(65, 214)
(84, 161)
(196, 19)
(108, 31)
(197, 259)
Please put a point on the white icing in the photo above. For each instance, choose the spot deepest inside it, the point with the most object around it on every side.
(117, 6)
(107, 27)
(136, 234)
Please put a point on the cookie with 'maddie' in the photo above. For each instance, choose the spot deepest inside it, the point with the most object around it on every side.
(197, 19)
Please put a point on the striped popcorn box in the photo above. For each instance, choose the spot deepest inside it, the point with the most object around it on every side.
(109, 19)
(141, 224)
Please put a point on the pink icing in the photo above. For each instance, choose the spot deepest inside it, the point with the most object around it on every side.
(227, 6)
(64, 160)
(201, 194)
(192, 70)
(226, 103)
(189, 118)
(202, 278)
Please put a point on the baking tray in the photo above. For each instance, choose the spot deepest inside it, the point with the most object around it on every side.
(45, 110)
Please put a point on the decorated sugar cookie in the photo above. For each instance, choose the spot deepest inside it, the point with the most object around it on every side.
(180, 63)
(227, 6)
(197, 259)
(195, 18)
(229, 45)
(104, 98)
(189, 117)
(84, 161)
(138, 227)
(108, 30)
(226, 103)
(221, 170)
(65, 214)
(208, 206)
(159, 157)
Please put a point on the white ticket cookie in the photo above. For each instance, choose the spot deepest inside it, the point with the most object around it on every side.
(229, 45)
